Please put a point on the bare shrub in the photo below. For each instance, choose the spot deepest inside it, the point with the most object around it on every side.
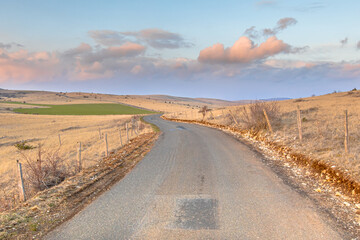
(203, 111)
(44, 170)
(253, 117)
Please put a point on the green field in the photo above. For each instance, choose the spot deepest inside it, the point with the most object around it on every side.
(83, 109)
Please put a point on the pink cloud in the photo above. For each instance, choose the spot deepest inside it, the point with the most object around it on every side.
(128, 49)
(22, 66)
(243, 51)
(82, 48)
(95, 70)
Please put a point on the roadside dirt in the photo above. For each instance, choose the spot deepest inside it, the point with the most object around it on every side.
(334, 194)
(50, 208)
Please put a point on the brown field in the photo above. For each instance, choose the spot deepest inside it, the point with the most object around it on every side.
(322, 127)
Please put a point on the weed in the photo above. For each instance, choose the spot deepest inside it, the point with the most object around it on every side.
(23, 146)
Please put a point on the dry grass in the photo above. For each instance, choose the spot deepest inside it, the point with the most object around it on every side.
(322, 126)
(45, 130)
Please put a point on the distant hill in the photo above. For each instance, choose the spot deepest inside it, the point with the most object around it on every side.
(47, 97)
(275, 99)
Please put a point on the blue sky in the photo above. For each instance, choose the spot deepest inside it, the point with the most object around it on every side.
(222, 49)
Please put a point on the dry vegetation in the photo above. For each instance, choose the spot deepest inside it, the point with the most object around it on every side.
(322, 121)
(44, 131)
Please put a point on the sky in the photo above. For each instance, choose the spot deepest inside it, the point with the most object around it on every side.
(227, 49)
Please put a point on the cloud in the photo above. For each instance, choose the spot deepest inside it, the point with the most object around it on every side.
(288, 64)
(154, 37)
(282, 24)
(358, 45)
(107, 37)
(252, 33)
(22, 66)
(9, 45)
(82, 48)
(161, 39)
(344, 41)
(85, 62)
(243, 51)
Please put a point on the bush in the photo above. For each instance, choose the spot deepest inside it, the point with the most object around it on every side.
(203, 111)
(253, 118)
(44, 170)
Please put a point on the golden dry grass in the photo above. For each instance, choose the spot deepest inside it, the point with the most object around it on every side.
(45, 130)
(322, 127)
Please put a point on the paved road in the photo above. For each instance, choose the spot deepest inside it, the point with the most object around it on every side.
(198, 183)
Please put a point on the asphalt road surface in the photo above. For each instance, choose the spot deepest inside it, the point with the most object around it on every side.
(199, 183)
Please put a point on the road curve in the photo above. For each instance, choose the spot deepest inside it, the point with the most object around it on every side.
(199, 183)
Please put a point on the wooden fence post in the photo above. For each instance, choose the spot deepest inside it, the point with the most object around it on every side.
(127, 132)
(106, 145)
(136, 129)
(346, 140)
(299, 122)
(79, 158)
(59, 139)
(268, 121)
(99, 133)
(121, 144)
(21, 182)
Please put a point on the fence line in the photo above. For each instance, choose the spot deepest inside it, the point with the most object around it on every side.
(299, 122)
(79, 154)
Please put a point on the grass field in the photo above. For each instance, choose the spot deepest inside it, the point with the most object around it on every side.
(82, 109)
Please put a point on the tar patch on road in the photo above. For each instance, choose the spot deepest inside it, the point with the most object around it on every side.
(196, 214)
